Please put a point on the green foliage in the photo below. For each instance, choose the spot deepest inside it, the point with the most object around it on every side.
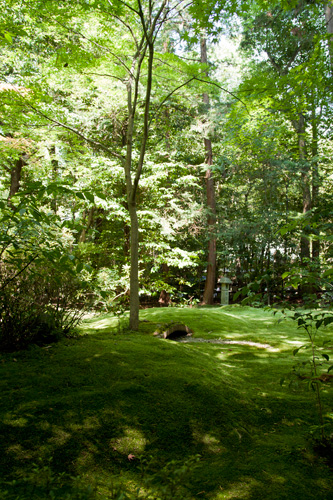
(42, 304)
(311, 369)
(170, 483)
(42, 293)
(43, 482)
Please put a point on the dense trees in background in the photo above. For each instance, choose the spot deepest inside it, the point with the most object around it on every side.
(145, 144)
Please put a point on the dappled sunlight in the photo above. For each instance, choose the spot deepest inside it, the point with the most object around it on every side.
(59, 436)
(19, 452)
(15, 421)
(238, 490)
(208, 440)
(100, 324)
(294, 342)
(133, 441)
(105, 403)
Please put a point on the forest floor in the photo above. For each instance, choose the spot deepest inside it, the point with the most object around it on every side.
(107, 413)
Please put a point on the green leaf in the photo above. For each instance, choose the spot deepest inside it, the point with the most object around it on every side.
(326, 357)
(79, 267)
(237, 294)
(80, 195)
(90, 197)
(8, 37)
(328, 320)
(319, 323)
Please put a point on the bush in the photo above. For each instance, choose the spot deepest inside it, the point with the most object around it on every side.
(39, 306)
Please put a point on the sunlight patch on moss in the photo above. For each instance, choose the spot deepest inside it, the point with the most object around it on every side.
(210, 442)
(133, 441)
(44, 425)
(15, 421)
(60, 437)
(103, 323)
(294, 342)
(89, 423)
(86, 457)
(239, 490)
(19, 452)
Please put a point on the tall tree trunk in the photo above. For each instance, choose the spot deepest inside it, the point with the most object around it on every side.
(299, 126)
(315, 177)
(134, 274)
(166, 110)
(329, 27)
(208, 296)
(133, 184)
(55, 166)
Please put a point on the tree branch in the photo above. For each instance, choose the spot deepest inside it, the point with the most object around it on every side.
(126, 5)
(128, 27)
(76, 132)
(171, 93)
(18, 273)
(92, 42)
(221, 88)
(105, 74)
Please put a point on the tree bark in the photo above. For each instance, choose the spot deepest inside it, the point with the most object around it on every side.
(329, 27)
(84, 231)
(134, 274)
(208, 296)
(144, 48)
(299, 126)
(15, 178)
(315, 178)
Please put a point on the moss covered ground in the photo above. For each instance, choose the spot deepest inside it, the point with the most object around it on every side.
(110, 412)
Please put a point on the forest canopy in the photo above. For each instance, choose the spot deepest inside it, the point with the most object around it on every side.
(150, 147)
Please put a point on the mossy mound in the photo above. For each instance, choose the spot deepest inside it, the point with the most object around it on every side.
(173, 330)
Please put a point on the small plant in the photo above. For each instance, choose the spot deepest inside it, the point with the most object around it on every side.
(43, 483)
(170, 482)
(311, 369)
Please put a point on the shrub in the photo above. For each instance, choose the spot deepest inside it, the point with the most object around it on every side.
(40, 305)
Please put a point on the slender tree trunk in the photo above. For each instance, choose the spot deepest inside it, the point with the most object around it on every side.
(329, 27)
(299, 126)
(315, 177)
(55, 166)
(127, 240)
(166, 110)
(15, 178)
(84, 231)
(133, 184)
(134, 274)
(208, 296)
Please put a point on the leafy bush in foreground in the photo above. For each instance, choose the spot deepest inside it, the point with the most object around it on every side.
(39, 306)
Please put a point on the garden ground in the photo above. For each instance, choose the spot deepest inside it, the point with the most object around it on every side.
(112, 411)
